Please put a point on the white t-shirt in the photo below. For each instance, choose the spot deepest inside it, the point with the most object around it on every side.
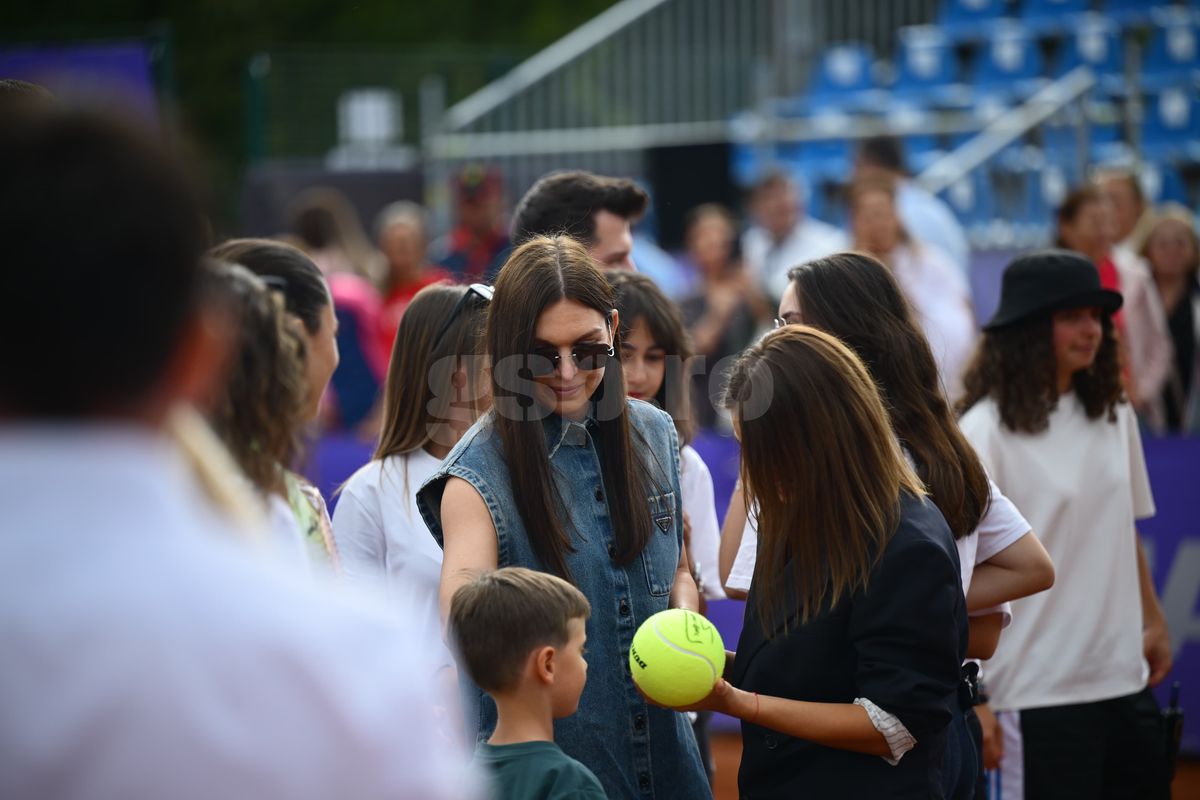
(149, 651)
(770, 261)
(696, 484)
(1081, 484)
(381, 536)
(999, 529)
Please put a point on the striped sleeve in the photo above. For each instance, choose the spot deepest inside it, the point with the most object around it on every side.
(899, 740)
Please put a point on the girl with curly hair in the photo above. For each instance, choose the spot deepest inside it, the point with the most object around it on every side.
(1046, 411)
(259, 417)
(309, 323)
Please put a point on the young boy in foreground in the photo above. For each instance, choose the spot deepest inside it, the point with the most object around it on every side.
(521, 634)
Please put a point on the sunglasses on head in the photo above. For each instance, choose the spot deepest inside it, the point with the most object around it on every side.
(479, 290)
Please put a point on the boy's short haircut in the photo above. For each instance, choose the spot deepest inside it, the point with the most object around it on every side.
(499, 618)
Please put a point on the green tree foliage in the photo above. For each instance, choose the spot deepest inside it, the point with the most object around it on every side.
(213, 40)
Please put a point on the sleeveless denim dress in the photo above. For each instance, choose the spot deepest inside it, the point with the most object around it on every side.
(635, 749)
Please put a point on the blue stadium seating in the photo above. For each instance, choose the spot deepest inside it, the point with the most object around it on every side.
(1046, 16)
(820, 159)
(927, 69)
(1173, 55)
(1171, 128)
(1011, 62)
(965, 20)
(1095, 41)
(1126, 12)
(1009, 200)
(845, 80)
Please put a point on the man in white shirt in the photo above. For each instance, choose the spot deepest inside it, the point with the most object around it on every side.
(783, 235)
(149, 650)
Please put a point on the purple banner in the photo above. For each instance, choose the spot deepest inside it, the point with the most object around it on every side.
(111, 76)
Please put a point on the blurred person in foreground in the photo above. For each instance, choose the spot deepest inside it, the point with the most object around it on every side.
(937, 290)
(595, 210)
(150, 650)
(1085, 225)
(727, 311)
(477, 245)
(401, 230)
(924, 215)
(21, 98)
(783, 235)
(1172, 250)
(308, 305)
(262, 411)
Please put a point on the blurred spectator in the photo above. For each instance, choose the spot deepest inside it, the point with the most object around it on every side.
(262, 410)
(150, 651)
(1173, 253)
(307, 302)
(1130, 212)
(934, 286)
(596, 210)
(329, 232)
(728, 310)
(401, 230)
(783, 235)
(1085, 225)
(477, 245)
(925, 216)
(332, 235)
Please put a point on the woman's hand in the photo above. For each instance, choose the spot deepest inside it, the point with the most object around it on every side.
(993, 737)
(723, 698)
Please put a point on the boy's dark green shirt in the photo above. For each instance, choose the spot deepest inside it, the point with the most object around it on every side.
(537, 771)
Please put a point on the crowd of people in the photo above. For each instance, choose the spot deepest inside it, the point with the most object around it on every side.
(916, 496)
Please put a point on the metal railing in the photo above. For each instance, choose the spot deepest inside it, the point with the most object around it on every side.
(644, 74)
(659, 72)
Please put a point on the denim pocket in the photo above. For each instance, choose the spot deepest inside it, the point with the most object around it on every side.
(661, 556)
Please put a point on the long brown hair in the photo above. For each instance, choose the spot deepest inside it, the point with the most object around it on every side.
(418, 394)
(820, 461)
(637, 297)
(855, 298)
(541, 272)
(1015, 366)
(262, 412)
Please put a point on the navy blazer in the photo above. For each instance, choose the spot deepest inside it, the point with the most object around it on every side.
(900, 643)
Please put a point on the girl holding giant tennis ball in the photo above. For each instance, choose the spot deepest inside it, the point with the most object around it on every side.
(847, 671)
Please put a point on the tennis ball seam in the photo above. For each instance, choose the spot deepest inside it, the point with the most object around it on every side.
(665, 640)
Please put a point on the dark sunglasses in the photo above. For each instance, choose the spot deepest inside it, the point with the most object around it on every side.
(588, 356)
(480, 290)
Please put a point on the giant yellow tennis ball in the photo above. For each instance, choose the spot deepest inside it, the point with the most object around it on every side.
(677, 657)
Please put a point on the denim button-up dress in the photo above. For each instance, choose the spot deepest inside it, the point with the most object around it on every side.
(635, 749)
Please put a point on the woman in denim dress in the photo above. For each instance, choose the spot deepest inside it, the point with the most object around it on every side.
(567, 476)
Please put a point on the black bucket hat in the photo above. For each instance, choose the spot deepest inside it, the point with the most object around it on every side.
(1050, 280)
